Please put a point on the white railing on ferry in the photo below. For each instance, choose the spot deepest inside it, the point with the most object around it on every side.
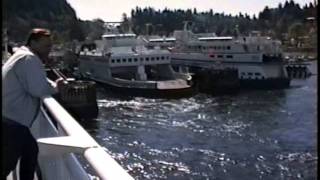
(62, 139)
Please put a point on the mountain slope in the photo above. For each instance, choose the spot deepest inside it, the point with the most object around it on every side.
(19, 16)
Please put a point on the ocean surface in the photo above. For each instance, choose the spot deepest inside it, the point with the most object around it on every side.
(259, 134)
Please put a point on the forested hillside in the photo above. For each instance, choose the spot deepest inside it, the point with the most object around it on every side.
(19, 16)
(286, 18)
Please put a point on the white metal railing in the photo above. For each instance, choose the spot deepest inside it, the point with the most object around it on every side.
(60, 137)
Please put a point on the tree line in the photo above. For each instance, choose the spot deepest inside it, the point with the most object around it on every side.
(286, 19)
(283, 22)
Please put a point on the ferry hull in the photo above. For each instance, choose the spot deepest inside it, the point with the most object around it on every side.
(271, 83)
(214, 82)
(150, 93)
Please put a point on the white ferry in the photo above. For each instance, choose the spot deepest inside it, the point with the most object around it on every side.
(258, 59)
(123, 63)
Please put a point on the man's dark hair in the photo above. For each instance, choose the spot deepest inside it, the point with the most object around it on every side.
(37, 33)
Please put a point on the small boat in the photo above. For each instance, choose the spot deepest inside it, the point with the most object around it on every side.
(121, 62)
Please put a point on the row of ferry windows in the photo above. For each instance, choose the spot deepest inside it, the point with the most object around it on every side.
(210, 47)
(141, 59)
(221, 56)
(251, 74)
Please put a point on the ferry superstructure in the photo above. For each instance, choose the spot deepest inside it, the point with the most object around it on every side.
(258, 59)
(120, 61)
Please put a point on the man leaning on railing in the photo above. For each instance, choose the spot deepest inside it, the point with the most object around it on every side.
(24, 84)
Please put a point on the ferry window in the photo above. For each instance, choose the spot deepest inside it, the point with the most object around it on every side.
(112, 61)
(250, 74)
(162, 57)
(157, 58)
(228, 47)
(212, 55)
(152, 58)
(257, 74)
(199, 47)
(141, 59)
(118, 60)
(130, 60)
(135, 60)
(229, 56)
(167, 57)
(124, 60)
(220, 56)
(147, 59)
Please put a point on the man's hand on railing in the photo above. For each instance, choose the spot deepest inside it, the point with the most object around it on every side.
(60, 82)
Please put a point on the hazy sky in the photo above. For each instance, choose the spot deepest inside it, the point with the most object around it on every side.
(112, 10)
